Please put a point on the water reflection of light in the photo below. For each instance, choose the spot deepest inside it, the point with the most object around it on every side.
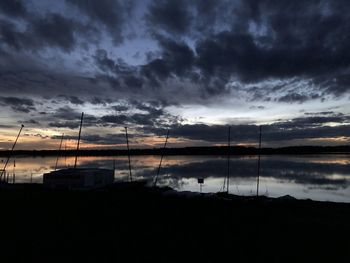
(323, 177)
(332, 161)
(336, 176)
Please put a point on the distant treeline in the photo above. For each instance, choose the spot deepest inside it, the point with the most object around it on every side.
(215, 150)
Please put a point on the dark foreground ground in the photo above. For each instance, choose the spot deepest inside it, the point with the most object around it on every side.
(133, 223)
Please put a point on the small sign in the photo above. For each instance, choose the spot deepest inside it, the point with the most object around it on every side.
(200, 180)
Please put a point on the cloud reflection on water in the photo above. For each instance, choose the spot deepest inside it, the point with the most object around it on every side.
(292, 175)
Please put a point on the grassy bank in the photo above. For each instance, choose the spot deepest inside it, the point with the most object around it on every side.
(137, 223)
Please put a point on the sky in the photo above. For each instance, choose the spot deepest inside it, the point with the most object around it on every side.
(193, 67)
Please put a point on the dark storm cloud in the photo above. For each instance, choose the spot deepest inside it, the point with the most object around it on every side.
(108, 13)
(115, 119)
(168, 15)
(96, 138)
(52, 30)
(57, 88)
(64, 124)
(137, 113)
(24, 105)
(264, 39)
(66, 113)
(276, 51)
(120, 108)
(314, 121)
(176, 58)
(105, 63)
(260, 107)
(314, 127)
(203, 45)
(30, 122)
(323, 113)
(72, 99)
(261, 41)
(12, 8)
(296, 97)
(66, 117)
(243, 55)
(133, 113)
(101, 101)
(173, 63)
(133, 82)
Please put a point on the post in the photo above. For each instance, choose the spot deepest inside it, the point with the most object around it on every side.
(259, 152)
(127, 145)
(81, 124)
(228, 158)
(200, 182)
(161, 159)
(9, 156)
(59, 149)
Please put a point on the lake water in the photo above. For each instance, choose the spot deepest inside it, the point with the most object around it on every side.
(318, 177)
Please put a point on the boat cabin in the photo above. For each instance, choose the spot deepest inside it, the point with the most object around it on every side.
(78, 178)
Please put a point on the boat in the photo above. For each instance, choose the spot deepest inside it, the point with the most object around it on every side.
(78, 178)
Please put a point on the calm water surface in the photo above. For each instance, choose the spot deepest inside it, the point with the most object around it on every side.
(318, 177)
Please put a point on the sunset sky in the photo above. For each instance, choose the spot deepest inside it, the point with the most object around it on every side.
(193, 67)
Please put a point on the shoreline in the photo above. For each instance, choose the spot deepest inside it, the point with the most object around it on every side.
(217, 150)
(133, 222)
(162, 191)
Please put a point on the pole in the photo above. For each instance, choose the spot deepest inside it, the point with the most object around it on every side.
(14, 171)
(259, 152)
(127, 145)
(228, 158)
(59, 149)
(9, 156)
(65, 153)
(81, 124)
(161, 158)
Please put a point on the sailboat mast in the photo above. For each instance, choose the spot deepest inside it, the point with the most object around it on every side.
(65, 153)
(228, 158)
(76, 155)
(14, 171)
(127, 145)
(9, 156)
(259, 152)
(59, 149)
(161, 158)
